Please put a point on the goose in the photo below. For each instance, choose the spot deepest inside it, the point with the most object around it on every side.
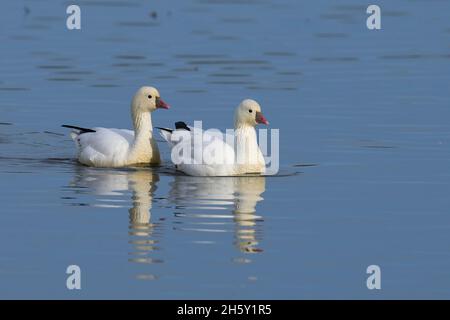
(210, 155)
(110, 147)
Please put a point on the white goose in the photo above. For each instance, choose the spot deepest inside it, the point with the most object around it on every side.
(110, 147)
(199, 153)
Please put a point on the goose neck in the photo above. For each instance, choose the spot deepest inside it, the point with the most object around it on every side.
(246, 139)
(142, 124)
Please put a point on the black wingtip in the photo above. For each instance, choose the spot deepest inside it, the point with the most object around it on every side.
(181, 125)
(82, 130)
(165, 129)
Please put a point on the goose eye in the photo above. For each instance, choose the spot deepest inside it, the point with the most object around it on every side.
(149, 96)
(250, 110)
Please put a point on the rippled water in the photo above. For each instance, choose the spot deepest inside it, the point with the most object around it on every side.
(364, 129)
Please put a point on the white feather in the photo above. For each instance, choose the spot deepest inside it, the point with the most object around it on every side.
(211, 155)
(110, 147)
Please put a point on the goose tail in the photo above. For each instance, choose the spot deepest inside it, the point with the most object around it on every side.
(166, 133)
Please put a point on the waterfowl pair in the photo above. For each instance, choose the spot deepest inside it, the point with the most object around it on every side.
(235, 155)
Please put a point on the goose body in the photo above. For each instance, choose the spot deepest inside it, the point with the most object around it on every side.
(110, 147)
(209, 154)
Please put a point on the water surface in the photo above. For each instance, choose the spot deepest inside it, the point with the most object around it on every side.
(364, 129)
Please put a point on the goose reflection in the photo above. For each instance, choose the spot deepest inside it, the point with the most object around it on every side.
(212, 204)
(111, 189)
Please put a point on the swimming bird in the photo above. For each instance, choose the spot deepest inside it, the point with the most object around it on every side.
(110, 147)
(201, 153)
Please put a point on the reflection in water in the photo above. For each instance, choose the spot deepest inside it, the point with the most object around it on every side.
(106, 184)
(206, 207)
(248, 193)
(201, 201)
(141, 228)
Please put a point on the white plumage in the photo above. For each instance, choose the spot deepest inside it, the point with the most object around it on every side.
(110, 147)
(199, 153)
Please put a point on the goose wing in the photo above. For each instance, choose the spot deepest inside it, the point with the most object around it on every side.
(103, 146)
(200, 153)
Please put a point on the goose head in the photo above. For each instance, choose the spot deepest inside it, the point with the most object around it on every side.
(147, 99)
(248, 113)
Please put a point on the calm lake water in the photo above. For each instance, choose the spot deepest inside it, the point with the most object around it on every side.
(364, 119)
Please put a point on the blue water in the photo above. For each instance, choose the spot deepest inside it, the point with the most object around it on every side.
(364, 148)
